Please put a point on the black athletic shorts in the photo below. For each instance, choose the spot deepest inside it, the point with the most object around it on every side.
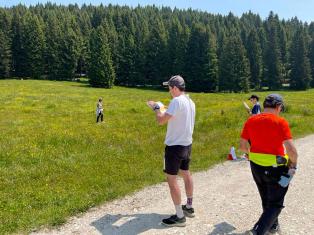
(177, 157)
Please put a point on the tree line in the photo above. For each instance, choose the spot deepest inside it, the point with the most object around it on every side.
(141, 46)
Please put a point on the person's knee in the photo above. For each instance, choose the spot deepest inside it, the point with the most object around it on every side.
(172, 180)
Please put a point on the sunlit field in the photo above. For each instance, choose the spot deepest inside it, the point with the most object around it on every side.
(55, 161)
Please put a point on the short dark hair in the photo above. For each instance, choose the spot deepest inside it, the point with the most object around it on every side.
(254, 97)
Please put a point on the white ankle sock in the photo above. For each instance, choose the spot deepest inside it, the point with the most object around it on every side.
(179, 211)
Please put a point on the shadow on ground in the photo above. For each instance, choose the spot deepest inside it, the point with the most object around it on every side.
(128, 224)
(224, 229)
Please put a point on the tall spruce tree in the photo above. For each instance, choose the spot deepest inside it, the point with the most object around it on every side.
(100, 69)
(19, 64)
(33, 43)
(311, 56)
(213, 72)
(5, 56)
(5, 45)
(156, 53)
(53, 49)
(141, 37)
(234, 66)
(255, 58)
(127, 67)
(201, 63)
(300, 76)
(70, 47)
(177, 45)
(311, 51)
(273, 64)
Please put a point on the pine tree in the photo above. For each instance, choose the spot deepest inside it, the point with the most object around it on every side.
(273, 64)
(33, 44)
(311, 51)
(255, 58)
(5, 45)
(201, 60)
(141, 38)
(19, 63)
(234, 66)
(101, 72)
(213, 72)
(70, 47)
(5, 56)
(311, 56)
(127, 62)
(300, 76)
(53, 53)
(156, 53)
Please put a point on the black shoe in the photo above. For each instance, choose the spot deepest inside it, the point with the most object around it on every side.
(188, 212)
(274, 229)
(174, 221)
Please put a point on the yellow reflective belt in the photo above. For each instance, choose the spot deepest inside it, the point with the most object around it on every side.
(263, 159)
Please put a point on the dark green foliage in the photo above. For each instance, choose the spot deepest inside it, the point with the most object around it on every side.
(254, 52)
(52, 52)
(177, 46)
(33, 43)
(300, 76)
(273, 64)
(234, 66)
(100, 71)
(201, 63)
(156, 54)
(70, 46)
(311, 51)
(311, 56)
(149, 44)
(5, 56)
(5, 45)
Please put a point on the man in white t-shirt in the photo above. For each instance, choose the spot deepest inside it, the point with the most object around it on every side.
(180, 117)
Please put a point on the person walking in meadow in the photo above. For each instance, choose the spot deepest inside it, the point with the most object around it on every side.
(272, 168)
(99, 111)
(256, 106)
(180, 118)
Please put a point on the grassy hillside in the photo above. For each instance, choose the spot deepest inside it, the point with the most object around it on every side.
(56, 161)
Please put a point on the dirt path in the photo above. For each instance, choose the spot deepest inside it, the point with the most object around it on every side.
(226, 202)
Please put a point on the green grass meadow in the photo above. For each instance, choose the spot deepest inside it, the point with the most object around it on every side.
(55, 161)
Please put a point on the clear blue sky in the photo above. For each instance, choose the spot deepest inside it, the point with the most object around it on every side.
(303, 9)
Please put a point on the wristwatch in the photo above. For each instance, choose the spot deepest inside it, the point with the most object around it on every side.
(156, 107)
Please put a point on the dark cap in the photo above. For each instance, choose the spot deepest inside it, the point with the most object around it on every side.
(175, 81)
(273, 100)
(254, 97)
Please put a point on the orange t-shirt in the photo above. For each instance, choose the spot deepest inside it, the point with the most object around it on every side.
(266, 133)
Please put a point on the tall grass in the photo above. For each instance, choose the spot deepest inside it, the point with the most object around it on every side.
(55, 161)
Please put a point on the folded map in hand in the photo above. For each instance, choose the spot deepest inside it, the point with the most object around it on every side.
(162, 107)
(246, 106)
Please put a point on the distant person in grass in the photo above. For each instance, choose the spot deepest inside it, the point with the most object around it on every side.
(180, 117)
(99, 111)
(256, 106)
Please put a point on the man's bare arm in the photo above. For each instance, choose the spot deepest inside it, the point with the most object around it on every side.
(244, 145)
(292, 153)
(162, 118)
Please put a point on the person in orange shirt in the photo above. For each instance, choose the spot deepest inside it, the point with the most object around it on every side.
(272, 155)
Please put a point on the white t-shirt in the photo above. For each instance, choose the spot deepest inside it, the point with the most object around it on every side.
(181, 124)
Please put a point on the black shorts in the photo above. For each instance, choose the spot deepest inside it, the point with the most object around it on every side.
(177, 157)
